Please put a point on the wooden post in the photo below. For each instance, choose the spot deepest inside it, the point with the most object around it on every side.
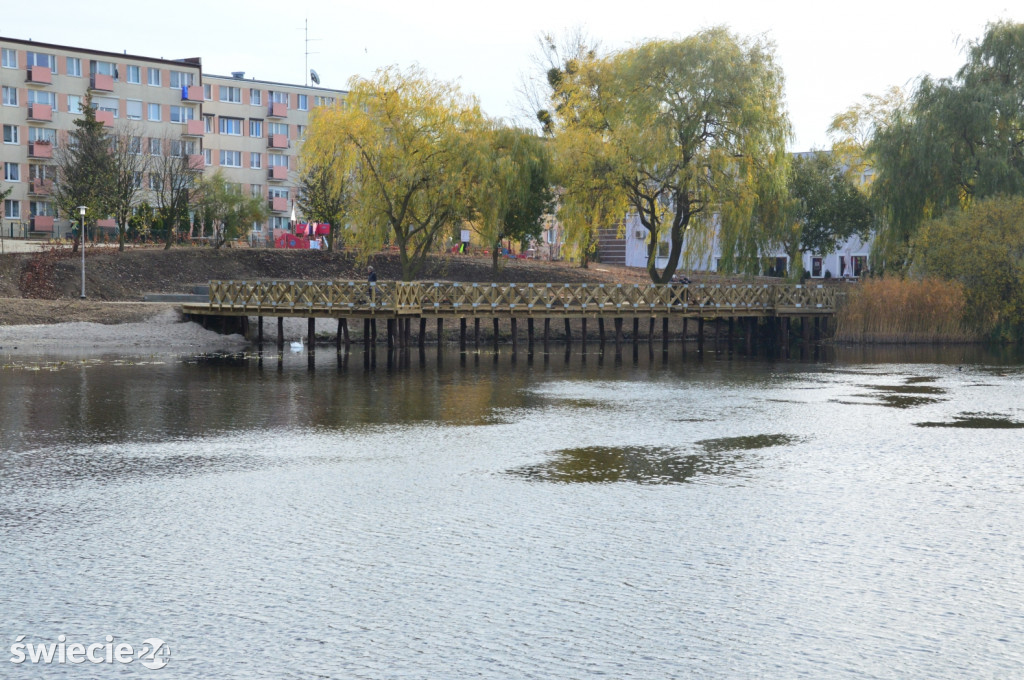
(805, 331)
(664, 334)
(568, 332)
(476, 332)
(423, 331)
(718, 335)
(391, 333)
(259, 331)
(344, 331)
(337, 338)
(685, 324)
(730, 334)
(583, 333)
(366, 332)
(748, 332)
(440, 331)
(547, 333)
(618, 336)
(600, 330)
(311, 333)
(636, 329)
(529, 335)
(373, 330)
(824, 327)
(495, 333)
(462, 335)
(700, 335)
(515, 335)
(280, 333)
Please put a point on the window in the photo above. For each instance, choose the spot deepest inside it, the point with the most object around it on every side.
(279, 97)
(43, 97)
(301, 131)
(10, 58)
(256, 190)
(277, 129)
(133, 109)
(73, 66)
(231, 159)
(12, 209)
(11, 134)
(207, 92)
(38, 59)
(10, 96)
(176, 148)
(208, 123)
(278, 222)
(816, 267)
(256, 161)
(181, 79)
(42, 172)
(12, 172)
(107, 104)
(207, 157)
(255, 97)
(137, 180)
(41, 209)
(323, 101)
(181, 114)
(154, 147)
(74, 103)
(230, 126)
(134, 74)
(154, 182)
(278, 160)
(38, 134)
(231, 94)
(135, 146)
(303, 102)
(255, 128)
(154, 111)
(154, 76)
(103, 68)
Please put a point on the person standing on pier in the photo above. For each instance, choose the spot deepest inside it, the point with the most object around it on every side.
(371, 275)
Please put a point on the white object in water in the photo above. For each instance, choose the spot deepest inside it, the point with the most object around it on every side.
(297, 346)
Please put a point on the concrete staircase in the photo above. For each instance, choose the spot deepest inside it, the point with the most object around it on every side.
(199, 295)
(610, 248)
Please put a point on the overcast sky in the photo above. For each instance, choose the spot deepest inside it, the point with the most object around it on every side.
(832, 52)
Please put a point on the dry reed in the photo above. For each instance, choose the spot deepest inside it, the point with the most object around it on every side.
(894, 310)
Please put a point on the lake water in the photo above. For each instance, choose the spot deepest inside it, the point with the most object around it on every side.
(858, 516)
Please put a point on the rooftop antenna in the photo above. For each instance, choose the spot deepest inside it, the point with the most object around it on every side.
(308, 40)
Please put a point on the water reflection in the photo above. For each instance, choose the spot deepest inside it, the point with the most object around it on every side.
(979, 421)
(747, 443)
(641, 465)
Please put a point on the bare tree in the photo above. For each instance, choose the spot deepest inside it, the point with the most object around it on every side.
(129, 167)
(174, 179)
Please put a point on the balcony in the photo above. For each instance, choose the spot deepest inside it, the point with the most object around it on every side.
(277, 110)
(278, 173)
(40, 187)
(102, 83)
(278, 204)
(42, 223)
(40, 112)
(277, 141)
(105, 117)
(194, 128)
(40, 150)
(196, 161)
(39, 75)
(192, 93)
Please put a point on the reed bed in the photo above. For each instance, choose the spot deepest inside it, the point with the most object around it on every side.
(904, 311)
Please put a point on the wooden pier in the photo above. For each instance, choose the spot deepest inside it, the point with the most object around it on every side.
(743, 305)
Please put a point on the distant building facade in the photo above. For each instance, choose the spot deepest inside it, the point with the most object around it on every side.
(249, 129)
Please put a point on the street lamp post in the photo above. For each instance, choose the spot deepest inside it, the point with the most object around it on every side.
(81, 239)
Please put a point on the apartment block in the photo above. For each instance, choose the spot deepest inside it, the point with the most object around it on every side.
(251, 130)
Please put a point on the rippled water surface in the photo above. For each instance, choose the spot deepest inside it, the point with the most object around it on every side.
(858, 517)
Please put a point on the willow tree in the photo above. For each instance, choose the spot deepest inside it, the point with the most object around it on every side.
(689, 135)
(512, 186)
(404, 142)
(957, 140)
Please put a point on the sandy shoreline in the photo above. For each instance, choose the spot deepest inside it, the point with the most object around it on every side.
(164, 333)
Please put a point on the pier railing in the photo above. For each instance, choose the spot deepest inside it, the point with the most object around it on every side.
(352, 298)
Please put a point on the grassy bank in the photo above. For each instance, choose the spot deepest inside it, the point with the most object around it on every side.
(893, 310)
